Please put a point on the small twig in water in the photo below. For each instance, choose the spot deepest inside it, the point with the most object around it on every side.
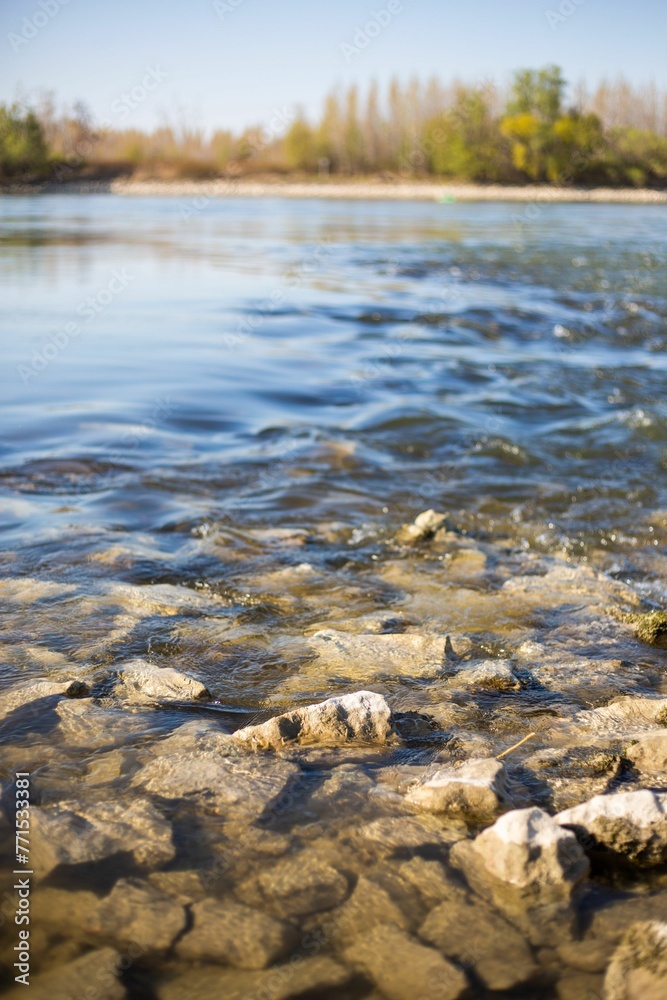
(509, 749)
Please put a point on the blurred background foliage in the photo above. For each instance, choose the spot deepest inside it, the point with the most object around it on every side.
(615, 134)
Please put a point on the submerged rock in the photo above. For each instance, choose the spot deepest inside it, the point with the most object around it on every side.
(631, 824)
(495, 675)
(36, 693)
(234, 934)
(363, 716)
(72, 833)
(473, 934)
(142, 682)
(312, 977)
(624, 715)
(649, 753)
(296, 886)
(366, 656)
(402, 968)
(638, 969)
(475, 788)
(94, 974)
(218, 785)
(139, 914)
(368, 906)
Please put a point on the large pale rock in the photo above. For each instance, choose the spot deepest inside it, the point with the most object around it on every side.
(362, 716)
(142, 683)
(218, 785)
(73, 833)
(404, 969)
(83, 723)
(36, 696)
(632, 824)
(638, 969)
(479, 938)
(233, 934)
(476, 788)
(296, 886)
(138, 914)
(526, 851)
(649, 753)
(95, 974)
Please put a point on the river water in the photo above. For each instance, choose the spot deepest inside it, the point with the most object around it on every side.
(215, 416)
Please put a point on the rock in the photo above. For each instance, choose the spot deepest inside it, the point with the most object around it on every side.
(412, 832)
(59, 908)
(433, 881)
(478, 938)
(73, 833)
(301, 976)
(83, 723)
(137, 913)
(369, 905)
(372, 655)
(424, 526)
(233, 934)
(572, 775)
(649, 753)
(296, 886)
(526, 851)
(184, 886)
(404, 969)
(624, 716)
(95, 974)
(362, 716)
(638, 969)
(36, 696)
(142, 683)
(649, 627)
(631, 824)
(492, 674)
(219, 785)
(475, 789)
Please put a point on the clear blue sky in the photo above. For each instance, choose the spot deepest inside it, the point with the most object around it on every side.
(235, 69)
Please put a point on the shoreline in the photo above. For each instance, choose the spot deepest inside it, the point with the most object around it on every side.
(358, 190)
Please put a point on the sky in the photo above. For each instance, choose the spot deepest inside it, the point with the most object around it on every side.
(233, 63)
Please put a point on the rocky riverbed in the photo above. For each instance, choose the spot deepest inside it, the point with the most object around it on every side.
(369, 764)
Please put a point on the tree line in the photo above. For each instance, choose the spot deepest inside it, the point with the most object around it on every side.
(615, 134)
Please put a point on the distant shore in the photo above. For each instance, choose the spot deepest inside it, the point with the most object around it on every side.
(360, 189)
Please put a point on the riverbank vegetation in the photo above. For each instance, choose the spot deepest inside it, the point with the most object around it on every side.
(537, 131)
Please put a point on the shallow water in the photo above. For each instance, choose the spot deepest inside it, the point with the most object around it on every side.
(210, 466)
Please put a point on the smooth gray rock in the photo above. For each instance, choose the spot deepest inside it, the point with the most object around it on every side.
(402, 968)
(638, 969)
(136, 913)
(632, 824)
(234, 934)
(363, 716)
(475, 788)
(143, 683)
(71, 833)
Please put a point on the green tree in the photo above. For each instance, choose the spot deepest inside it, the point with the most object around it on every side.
(465, 142)
(23, 150)
(301, 146)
